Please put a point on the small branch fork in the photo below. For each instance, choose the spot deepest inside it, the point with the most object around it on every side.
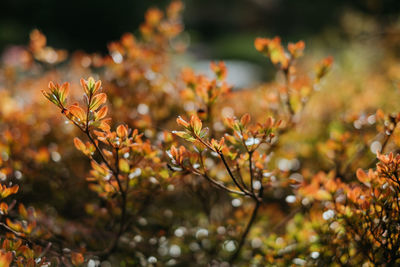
(243, 191)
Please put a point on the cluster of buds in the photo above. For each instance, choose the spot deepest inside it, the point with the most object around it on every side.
(94, 114)
(273, 49)
(297, 89)
(251, 137)
(156, 26)
(205, 91)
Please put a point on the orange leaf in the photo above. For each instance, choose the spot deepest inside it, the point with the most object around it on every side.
(97, 86)
(77, 112)
(296, 50)
(362, 176)
(182, 122)
(101, 113)
(79, 144)
(122, 131)
(196, 124)
(97, 101)
(5, 258)
(245, 119)
(4, 207)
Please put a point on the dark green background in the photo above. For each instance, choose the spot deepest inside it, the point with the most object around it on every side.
(217, 24)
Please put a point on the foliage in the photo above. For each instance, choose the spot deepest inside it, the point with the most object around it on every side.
(296, 171)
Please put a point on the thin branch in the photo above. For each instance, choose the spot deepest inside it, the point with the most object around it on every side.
(117, 171)
(99, 151)
(239, 175)
(246, 192)
(123, 208)
(214, 182)
(233, 177)
(251, 171)
(287, 99)
(221, 186)
(248, 227)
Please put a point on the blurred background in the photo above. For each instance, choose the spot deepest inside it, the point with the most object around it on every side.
(222, 29)
(217, 28)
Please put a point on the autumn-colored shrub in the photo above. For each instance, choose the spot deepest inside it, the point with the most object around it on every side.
(131, 159)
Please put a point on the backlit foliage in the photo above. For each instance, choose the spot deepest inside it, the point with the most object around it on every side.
(140, 161)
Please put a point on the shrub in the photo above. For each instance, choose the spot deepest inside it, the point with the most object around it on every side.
(173, 177)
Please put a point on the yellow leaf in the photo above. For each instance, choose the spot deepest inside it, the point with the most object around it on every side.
(123, 165)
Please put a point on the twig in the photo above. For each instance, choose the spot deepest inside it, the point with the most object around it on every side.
(233, 177)
(215, 183)
(251, 172)
(248, 227)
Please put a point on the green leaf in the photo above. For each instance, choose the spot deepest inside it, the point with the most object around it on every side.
(184, 135)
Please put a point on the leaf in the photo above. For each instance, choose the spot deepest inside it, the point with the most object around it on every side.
(362, 176)
(296, 50)
(182, 122)
(57, 95)
(5, 258)
(15, 226)
(27, 252)
(51, 86)
(6, 191)
(219, 69)
(84, 86)
(245, 119)
(123, 165)
(99, 133)
(323, 67)
(63, 92)
(77, 112)
(101, 113)
(273, 49)
(204, 132)
(104, 125)
(90, 84)
(14, 189)
(22, 211)
(97, 86)
(196, 124)
(184, 135)
(79, 145)
(97, 101)
(3, 207)
(122, 131)
(218, 145)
